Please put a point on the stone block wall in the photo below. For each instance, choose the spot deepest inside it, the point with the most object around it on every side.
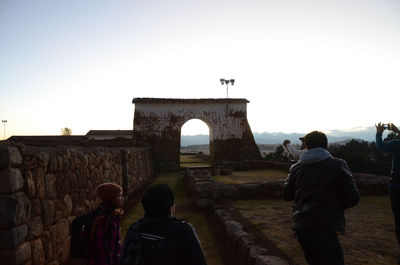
(246, 245)
(42, 189)
(207, 191)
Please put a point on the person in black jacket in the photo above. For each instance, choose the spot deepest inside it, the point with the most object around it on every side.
(159, 238)
(322, 187)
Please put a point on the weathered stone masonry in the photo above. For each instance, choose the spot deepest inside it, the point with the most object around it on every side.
(159, 122)
(42, 189)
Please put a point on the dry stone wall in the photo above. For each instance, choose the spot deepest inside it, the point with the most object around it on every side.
(207, 191)
(42, 189)
(245, 244)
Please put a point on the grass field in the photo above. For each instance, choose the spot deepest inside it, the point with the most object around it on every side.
(184, 210)
(369, 237)
(259, 175)
(192, 161)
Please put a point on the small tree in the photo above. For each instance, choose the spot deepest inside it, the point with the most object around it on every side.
(66, 131)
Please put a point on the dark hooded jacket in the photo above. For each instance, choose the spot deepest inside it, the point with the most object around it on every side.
(164, 240)
(322, 187)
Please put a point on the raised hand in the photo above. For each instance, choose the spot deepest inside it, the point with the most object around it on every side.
(392, 127)
(379, 128)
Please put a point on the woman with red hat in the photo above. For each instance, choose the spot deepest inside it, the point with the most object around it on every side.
(105, 237)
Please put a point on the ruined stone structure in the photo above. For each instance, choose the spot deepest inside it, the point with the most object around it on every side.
(159, 122)
(43, 188)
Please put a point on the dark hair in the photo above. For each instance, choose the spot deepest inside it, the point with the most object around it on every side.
(157, 201)
(316, 139)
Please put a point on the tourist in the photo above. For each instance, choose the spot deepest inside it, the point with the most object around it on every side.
(295, 153)
(322, 187)
(393, 147)
(105, 238)
(158, 237)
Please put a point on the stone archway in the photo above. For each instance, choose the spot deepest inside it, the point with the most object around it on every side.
(195, 138)
(159, 121)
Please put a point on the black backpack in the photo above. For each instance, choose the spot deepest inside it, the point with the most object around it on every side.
(131, 253)
(137, 242)
(80, 232)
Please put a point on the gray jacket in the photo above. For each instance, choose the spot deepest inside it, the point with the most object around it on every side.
(322, 187)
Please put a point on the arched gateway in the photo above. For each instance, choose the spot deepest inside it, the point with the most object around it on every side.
(159, 122)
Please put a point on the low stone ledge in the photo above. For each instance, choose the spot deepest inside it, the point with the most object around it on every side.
(244, 243)
(206, 189)
(249, 190)
(369, 184)
(229, 191)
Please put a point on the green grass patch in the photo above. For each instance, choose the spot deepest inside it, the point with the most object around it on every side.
(239, 177)
(369, 237)
(192, 161)
(184, 210)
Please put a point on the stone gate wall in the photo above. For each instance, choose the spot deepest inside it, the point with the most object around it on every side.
(42, 189)
(158, 121)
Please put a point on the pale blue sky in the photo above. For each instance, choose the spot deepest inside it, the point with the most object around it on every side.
(303, 65)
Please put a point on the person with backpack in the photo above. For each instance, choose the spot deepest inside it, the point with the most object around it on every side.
(159, 238)
(96, 236)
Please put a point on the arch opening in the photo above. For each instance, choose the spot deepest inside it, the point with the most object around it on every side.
(195, 144)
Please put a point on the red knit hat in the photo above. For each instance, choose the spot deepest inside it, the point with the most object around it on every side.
(108, 191)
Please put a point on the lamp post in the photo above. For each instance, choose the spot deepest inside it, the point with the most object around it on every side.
(226, 82)
(4, 122)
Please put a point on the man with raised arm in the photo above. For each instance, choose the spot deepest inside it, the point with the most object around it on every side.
(322, 187)
(295, 153)
(393, 147)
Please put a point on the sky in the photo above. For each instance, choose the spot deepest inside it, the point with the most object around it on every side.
(303, 65)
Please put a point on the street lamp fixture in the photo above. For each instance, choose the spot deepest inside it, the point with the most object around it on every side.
(4, 122)
(226, 82)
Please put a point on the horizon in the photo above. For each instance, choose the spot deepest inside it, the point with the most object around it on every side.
(273, 138)
(303, 66)
(203, 130)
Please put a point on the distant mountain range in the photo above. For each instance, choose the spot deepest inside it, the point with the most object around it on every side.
(361, 133)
